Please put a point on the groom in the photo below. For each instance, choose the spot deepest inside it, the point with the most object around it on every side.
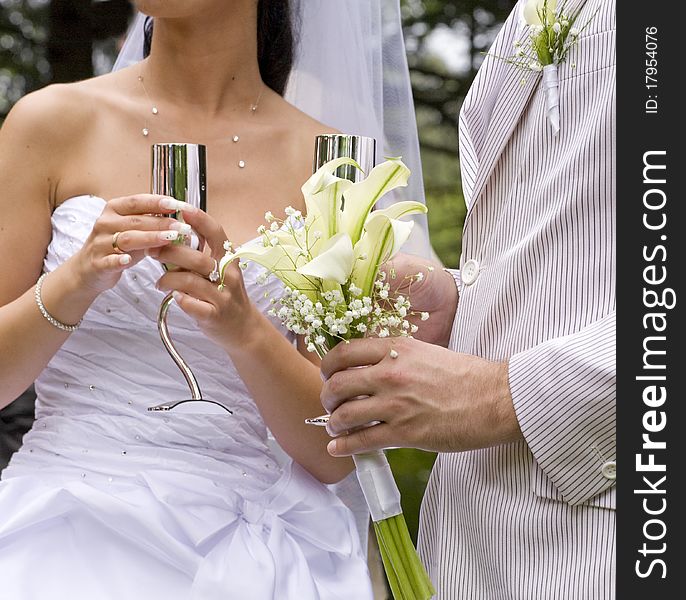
(521, 406)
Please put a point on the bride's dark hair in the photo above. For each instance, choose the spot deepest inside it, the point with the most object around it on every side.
(275, 42)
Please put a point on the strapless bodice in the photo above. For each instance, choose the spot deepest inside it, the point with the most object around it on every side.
(114, 366)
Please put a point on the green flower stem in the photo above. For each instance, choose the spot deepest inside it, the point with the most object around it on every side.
(542, 48)
(390, 573)
(425, 589)
(403, 559)
(406, 574)
(405, 589)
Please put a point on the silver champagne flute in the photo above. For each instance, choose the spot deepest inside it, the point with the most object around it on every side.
(180, 171)
(360, 148)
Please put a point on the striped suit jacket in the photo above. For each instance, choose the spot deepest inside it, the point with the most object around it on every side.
(535, 519)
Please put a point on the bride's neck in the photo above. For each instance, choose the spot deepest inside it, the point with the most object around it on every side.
(208, 64)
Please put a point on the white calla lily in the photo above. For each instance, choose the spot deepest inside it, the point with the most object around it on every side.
(226, 260)
(361, 197)
(324, 207)
(382, 238)
(282, 260)
(399, 210)
(334, 262)
(535, 9)
(320, 177)
(323, 193)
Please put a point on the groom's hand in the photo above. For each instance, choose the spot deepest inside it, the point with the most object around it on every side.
(434, 292)
(427, 397)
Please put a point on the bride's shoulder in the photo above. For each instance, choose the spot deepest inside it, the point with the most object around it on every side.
(60, 112)
(55, 113)
(302, 126)
(305, 121)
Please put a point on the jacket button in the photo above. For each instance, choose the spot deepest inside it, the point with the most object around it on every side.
(469, 272)
(609, 470)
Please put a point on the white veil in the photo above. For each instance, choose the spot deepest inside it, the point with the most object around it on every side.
(350, 72)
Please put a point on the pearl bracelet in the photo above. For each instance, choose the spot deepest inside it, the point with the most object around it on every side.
(52, 320)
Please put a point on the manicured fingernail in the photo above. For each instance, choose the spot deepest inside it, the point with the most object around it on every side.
(182, 228)
(177, 296)
(124, 259)
(168, 235)
(331, 447)
(174, 204)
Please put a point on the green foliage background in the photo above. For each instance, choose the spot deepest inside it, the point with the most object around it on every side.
(45, 40)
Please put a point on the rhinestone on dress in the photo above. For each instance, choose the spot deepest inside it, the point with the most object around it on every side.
(91, 387)
(154, 110)
(241, 164)
(110, 479)
(123, 452)
(145, 131)
(235, 138)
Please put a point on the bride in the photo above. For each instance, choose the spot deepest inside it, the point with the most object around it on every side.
(105, 500)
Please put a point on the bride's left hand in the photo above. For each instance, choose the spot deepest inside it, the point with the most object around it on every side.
(224, 316)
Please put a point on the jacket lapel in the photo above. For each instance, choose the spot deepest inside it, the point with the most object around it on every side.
(511, 100)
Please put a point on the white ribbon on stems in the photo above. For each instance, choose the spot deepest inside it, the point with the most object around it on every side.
(378, 485)
(551, 85)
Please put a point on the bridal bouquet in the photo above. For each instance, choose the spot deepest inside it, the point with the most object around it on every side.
(330, 264)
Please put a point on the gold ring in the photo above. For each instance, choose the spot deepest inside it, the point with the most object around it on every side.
(117, 249)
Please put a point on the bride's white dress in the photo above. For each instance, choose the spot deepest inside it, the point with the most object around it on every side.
(107, 501)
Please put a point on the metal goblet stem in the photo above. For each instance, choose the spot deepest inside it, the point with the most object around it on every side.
(180, 171)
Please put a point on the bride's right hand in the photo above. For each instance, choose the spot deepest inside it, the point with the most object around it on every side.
(125, 231)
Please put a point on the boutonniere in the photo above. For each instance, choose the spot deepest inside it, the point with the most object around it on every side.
(551, 34)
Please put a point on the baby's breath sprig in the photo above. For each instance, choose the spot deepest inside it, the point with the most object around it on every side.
(336, 316)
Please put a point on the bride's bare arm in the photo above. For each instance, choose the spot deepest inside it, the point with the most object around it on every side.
(29, 139)
(39, 133)
(287, 386)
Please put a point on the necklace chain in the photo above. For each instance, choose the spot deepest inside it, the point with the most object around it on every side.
(155, 112)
